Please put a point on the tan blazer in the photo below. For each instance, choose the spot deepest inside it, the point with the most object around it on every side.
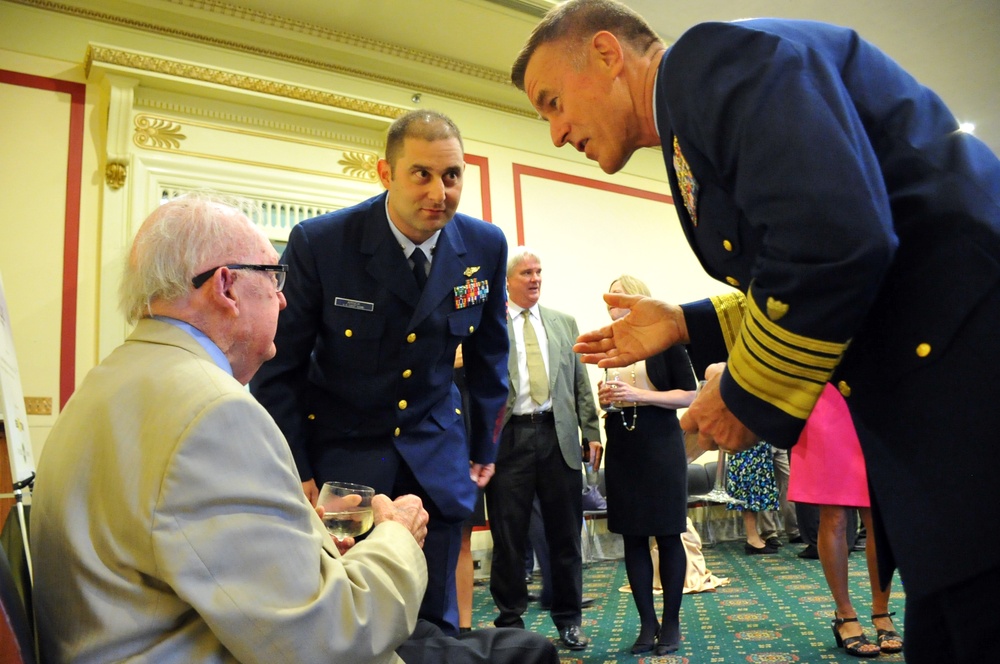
(169, 525)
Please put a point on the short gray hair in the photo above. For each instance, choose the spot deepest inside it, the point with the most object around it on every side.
(518, 256)
(579, 19)
(187, 235)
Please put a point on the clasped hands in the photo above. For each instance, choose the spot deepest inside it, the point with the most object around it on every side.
(650, 327)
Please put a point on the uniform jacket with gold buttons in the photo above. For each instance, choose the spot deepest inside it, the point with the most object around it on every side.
(362, 352)
(860, 227)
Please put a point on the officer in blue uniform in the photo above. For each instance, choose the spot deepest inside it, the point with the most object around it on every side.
(861, 229)
(379, 297)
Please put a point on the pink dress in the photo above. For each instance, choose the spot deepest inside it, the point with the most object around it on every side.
(827, 467)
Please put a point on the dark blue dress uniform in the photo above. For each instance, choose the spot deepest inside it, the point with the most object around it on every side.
(362, 383)
(862, 229)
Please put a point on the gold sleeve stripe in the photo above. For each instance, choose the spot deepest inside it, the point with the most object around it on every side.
(784, 336)
(730, 308)
(790, 395)
(796, 363)
(783, 368)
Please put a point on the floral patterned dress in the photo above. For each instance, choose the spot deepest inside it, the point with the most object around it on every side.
(751, 478)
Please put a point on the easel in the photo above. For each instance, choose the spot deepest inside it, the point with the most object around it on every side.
(12, 411)
(19, 488)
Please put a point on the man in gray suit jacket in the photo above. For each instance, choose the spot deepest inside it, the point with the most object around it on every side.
(168, 521)
(549, 403)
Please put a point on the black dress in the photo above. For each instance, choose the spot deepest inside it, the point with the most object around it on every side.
(646, 469)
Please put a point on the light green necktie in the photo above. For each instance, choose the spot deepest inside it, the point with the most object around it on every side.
(537, 379)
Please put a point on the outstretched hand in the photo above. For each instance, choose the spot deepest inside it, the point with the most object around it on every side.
(649, 327)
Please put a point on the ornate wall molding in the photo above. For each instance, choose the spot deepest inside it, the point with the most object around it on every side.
(157, 133)
(114, 175)
(197, 139)
(176, 108)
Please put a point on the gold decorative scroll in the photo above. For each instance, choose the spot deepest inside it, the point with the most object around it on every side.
(157, 132)
(360, 165)
(114, 175)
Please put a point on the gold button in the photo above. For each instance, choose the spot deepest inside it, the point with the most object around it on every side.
(732, 281)
(727, 245)
(411, 337)
(923, 350)
(844, 388)
(402, 404)
(407, 373)
(348, 333)
(396, 432)
(311, 416)
(458, 411)
(472, 328)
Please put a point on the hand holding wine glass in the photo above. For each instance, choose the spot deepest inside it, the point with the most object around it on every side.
(608, 388)
(347, 509)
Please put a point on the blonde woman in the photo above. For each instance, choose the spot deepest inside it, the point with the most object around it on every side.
(645, 465)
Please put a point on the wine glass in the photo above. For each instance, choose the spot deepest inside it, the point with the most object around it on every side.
(611, 374)
(718, 494)
(347, 508)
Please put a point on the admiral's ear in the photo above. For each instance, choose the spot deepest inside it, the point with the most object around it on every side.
(608, 51)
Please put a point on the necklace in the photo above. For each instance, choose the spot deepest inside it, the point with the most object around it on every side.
(635, 408)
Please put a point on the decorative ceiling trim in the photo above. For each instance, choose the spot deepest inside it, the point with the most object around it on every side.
(97, 54)
(299, 60)
(292, 25)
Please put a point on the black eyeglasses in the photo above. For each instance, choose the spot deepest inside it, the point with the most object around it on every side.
(279, 272)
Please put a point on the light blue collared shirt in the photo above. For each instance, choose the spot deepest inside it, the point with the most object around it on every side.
(214, 351)
(408, 245)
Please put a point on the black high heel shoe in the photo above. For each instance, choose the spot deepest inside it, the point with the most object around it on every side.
(666, 648)
(887, 634)
(644, 642)
(853, 645)
(668, 640)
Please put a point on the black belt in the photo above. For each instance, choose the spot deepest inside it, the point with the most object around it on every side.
(533, 418)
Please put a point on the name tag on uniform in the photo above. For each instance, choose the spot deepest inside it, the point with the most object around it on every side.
(473, 291)
(357, 305)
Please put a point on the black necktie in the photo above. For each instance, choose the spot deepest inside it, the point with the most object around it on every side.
(419, 259)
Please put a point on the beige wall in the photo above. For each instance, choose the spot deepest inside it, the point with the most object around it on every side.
(587, 226)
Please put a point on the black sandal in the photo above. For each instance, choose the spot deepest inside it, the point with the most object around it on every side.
(887, 634)
(853, 645)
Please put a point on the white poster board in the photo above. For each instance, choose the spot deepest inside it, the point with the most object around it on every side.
(22, 463)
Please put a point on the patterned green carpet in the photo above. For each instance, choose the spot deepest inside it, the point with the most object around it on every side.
(777, 609)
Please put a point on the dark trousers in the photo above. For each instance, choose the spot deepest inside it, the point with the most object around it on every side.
(375, 462)
(540, 548)
(441, 549)
(429, 645)
(529, 462)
